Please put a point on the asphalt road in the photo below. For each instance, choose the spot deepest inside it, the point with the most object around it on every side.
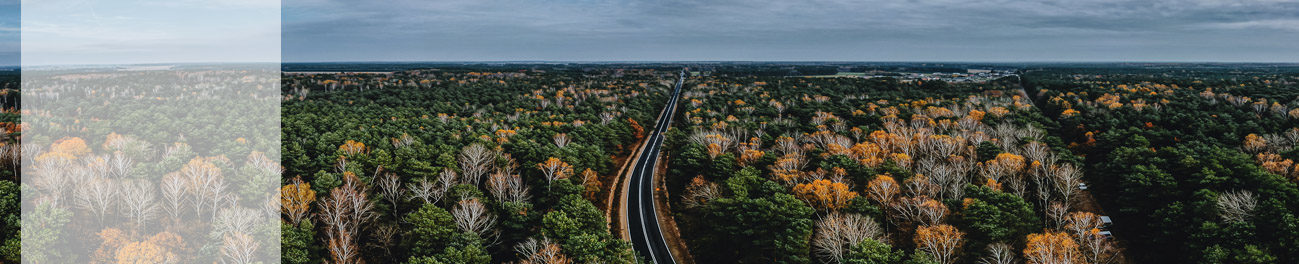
(642, 219)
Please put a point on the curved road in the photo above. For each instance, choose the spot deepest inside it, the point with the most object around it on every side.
(642, 219)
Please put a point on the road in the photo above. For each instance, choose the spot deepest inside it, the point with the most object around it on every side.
(642, 218)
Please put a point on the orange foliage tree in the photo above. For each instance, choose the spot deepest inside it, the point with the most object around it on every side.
(295, 200)
(554, 169)
(882, 189)
(1051, 248)
(825, 194)
(941, 242)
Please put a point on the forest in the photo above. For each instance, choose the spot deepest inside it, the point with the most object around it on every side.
(10, 202)
(403, 163)
(850, 170)
(458, 165)
(1195, 165)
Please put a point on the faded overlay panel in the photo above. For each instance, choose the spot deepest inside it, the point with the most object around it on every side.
(151, 131)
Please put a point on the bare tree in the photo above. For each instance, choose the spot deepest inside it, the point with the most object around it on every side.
(472, 216)
(1236, 206)
(507, 187)
(385, 237)
(999, 253)
(343, 214)
(475, 160)
(700, 192)
(235, 225)
(1045, 185)
(175, 189)
(1067, 178)
(205, 183)
(120, 164)
(1079, 223)
(425, 190)
(838, 232)
(543, 251)
(239, 248)
(446, 180)
(1057, 214)
(561, 139)
(390, 189)
(1096, 248)
(97, 196)
(138, 202)
(53, 176)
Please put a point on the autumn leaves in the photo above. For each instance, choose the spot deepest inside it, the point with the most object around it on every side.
(896, 172)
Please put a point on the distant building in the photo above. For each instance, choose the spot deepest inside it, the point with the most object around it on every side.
(977, 71)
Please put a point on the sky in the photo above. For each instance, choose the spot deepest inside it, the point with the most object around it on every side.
(97, 32)
(710, 30)
(9, 13)
(821, 30)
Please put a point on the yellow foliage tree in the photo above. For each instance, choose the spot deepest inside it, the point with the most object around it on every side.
(74, 146)
(351, 147)
(825, 194)
(1051, 248)
(940, 241)
(295, 200)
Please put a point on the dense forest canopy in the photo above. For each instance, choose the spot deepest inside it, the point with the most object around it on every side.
(518, 163)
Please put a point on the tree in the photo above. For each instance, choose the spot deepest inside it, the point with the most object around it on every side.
(295, 200)
(825, 194)
(700, 192)
(391, 190)
(138, 201)
(475, 160)
(990, 216)
(998, 253)
(97, 196)
(837, 233)
(940, 242)
(297, 242)
(1096, 247)
(431, 229)
(1236, 206)
(541, 251)
(10, 221)
(1051, 248)
(507, 187)
(872, 251)
(344, 213)
(755, 204)
(554, 169)
(590, 184)
(1067, 178)
(561, 140)
(426, 191)
(882, 189)
(932, 212)
(472, 216)
(144, 252)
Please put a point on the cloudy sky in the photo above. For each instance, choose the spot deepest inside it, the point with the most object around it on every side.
(840, 30)
(833, 30)
(9, 12)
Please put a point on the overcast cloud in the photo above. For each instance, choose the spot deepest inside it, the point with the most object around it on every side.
(840, 30)
(9, 32)
(835, 30)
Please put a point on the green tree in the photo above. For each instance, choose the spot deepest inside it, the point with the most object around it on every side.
(871, 251)
(757, 223)
(298, 242)
(432, 228)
